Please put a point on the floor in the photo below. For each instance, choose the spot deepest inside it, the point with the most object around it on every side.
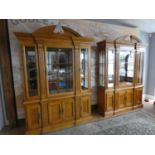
(141, 122)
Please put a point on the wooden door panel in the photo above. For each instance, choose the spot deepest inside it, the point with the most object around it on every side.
(121, 99)
(55, 112)
(138, 96)
(33, 113)
(85, 106)
(68, 109)
(129, 97)
(109, 101)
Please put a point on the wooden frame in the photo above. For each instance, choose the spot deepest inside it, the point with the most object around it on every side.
(77, 100)
(121, 98)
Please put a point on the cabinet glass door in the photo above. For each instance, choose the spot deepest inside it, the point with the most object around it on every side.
(84, 68)
(101, 68)
(31, 67)
(126, 67)
(59, 63)
(111, 69)
(139, 72)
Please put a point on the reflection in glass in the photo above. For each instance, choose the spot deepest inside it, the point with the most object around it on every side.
(111, 63)
(126, 69)
(84, 68)
(31, 70)
(59, 62)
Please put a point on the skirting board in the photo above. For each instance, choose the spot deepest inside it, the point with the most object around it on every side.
(146, 96)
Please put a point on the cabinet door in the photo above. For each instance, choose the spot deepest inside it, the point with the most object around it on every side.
(31, 72)
(138, 96)
(33, 112)
(129, 97)
(68, 110)
(121, 99)
(55, 112)
(85, 106)
(109, 101)
(139, 68)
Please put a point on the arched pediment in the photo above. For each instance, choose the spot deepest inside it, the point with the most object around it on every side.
(49, 31)
(129, 39)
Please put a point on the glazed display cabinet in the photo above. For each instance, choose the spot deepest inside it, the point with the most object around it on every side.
(120, 73)
(56, 71)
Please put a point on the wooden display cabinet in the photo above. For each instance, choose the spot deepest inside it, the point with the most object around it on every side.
(56, 71)
(120, 72)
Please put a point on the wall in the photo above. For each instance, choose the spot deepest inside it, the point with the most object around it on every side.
(151, 67)
(145, 39)
(98, 31)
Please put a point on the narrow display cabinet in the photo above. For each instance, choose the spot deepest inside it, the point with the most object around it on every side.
(56, 72)
(120, 73)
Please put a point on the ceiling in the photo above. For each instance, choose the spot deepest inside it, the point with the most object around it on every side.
(145, 25)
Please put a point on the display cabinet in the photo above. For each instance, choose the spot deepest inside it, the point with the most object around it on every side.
(120, 72)
(56, 72)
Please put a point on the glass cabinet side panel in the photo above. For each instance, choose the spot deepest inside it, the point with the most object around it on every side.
(59, 63)
(84, 68)
(126, 67)
(31, 71)
(140, 67)
(111, 67)
(101, 68)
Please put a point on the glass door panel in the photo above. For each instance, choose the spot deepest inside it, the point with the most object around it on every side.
(140, 68)
(101, 68)
(111, 65)
(126, 67)
(31, 71)
(84, 68)
(59, 62)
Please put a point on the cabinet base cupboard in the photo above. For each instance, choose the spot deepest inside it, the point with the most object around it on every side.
(56, 71)
(120, 73)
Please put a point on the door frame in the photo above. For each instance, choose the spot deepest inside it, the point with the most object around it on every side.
(7, 74)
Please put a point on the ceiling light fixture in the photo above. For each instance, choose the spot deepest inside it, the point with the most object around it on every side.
(58, 28)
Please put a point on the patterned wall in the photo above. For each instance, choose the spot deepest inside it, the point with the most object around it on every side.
(98, 31)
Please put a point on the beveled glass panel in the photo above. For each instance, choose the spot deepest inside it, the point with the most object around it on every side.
(111, 65)
(84, 68)
(126, 67)
(59, 62)
(31, 71)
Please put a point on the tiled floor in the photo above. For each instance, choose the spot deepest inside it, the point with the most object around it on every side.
(137, 120)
